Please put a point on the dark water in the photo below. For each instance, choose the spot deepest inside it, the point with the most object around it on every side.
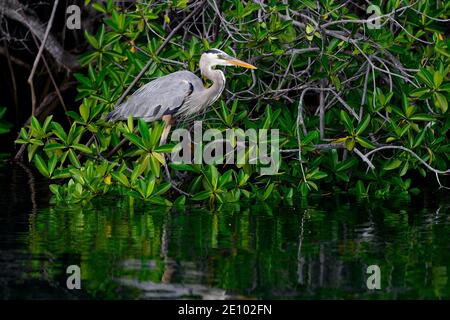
(302, 250)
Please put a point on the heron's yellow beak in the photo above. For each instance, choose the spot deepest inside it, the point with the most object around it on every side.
(237, 62)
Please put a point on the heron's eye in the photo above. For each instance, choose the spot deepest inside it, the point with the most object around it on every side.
(220, 56)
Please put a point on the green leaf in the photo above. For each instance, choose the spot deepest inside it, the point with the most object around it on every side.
(225, 178)
(144, 131)
(393, 164)
(360, 189)
(61, 174)
(316, 175)
(418, 92)
(345, 118)
(155, 166)
(84, 111)
(58, 130)
(167, 148)
(345, 165)
(445, 87)
(440, 101)
(363, 125)
(419, 138)
(74, 159)
(425, 76)
(31, 151)
(289, 194)
(82, 148)
(51, 147)
(150, 187)
(310, 136)
(134, 139)
(46, 123)
(91, 39)
(404, 169)
(405, 104)
(309, 32)
(163, 188)
(160, 201)
(213, 176)
(349, 143)
(98, 6)
(268, 191)
(343, 176)
(75, 116)
(422, 117)
(203, 195)
(119, 176)
(159, 157)
(137, 171)
(365, 143)
(180, 201)
(101, 35)
(313, 185)
(54, 188)
(156, 134)
(442, 51)
(41, 165)
(52, 164)
(184, 167)
(130, 123)
(437, 79)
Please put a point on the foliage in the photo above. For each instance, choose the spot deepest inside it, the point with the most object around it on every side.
(324, 79)
(5, 126)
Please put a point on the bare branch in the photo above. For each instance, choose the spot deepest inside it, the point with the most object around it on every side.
(13, 9)
(38, 57)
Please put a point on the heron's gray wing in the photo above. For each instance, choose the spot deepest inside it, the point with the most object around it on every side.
(159, 97)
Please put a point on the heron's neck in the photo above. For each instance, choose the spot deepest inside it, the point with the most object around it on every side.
(218, 79)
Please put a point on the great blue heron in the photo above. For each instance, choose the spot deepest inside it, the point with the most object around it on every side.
(180, 94)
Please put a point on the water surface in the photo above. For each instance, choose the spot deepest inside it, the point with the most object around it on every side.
(318, 249)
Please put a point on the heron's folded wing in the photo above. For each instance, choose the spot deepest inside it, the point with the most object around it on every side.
(159, 97)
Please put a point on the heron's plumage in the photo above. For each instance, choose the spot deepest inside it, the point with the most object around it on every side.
(149, 101)
(180, 94)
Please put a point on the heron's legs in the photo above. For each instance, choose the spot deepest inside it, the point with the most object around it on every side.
(168, 121)
(167, 125)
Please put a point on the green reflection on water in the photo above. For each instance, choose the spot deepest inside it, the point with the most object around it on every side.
(302, 251)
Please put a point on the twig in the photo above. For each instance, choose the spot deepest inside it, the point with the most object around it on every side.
(363, 98)
(364, 158)
(36, 61)
(411, 152)
(20, 63)
(299, 141)
(54, 83)
(13, 79)
(322, 111)
(117, 147)
(13, 9)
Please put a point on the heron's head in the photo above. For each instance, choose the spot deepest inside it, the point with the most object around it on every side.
(216, 57)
